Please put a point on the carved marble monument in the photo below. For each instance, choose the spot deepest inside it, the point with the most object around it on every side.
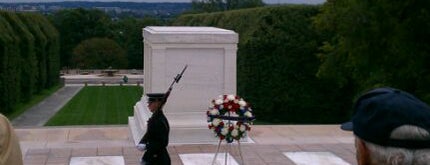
(210, 54)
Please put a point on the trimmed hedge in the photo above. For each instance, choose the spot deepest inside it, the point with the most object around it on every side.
(52, 50)
(8, 66)
(40, 49)
(277, 63)
(26, 62)
(26, 55)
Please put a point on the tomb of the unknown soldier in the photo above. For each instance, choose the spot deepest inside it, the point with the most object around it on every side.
(210, 55)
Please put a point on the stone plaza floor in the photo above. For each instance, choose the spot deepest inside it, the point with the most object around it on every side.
(272, 145)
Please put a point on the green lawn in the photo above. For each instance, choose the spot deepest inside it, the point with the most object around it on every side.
(98, 105)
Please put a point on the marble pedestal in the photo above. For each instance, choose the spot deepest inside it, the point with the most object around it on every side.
(210, 54)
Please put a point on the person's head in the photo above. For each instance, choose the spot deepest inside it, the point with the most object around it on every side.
(391, 127)
(154, 101)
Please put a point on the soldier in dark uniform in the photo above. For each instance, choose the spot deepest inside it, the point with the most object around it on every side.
(156, 137)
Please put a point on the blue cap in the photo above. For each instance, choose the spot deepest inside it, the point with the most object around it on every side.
(379, 111)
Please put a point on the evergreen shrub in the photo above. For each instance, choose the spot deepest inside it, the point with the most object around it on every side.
(277, 63)
(29, 57)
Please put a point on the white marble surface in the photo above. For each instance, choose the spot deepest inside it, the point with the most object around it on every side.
(207, 158)
(210, 54)
(315, 158)
(211, 69)
(186, 29)
(203, 80)
(97, 160)
(189, 35)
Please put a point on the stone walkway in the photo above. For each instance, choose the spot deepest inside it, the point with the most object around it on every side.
(57, 145)
(42, 112)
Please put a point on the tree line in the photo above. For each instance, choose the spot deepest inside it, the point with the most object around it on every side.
(199, 6)
(86, 35)
(90, 39)
(307, 64)
(29, 61)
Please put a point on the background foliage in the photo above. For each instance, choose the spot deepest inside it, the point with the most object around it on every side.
(77, 25)
(377, 43)
(201, 6)
(277, 63)
(128, 34)
(98, 53)
(28, 58)
(306, 64)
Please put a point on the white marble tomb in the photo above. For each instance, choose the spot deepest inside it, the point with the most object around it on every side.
(210, 54)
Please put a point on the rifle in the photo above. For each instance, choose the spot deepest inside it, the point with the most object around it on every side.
(175, 80)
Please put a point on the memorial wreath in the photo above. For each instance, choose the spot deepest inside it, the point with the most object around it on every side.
(230, 117)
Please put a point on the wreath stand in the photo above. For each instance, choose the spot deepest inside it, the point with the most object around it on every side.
(226, 152)
(228, 149)
(232, 105)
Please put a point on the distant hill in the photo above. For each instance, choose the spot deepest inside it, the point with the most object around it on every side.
(125, 5)
(137, 8)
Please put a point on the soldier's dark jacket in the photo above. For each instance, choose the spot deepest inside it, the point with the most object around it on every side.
(156, 139)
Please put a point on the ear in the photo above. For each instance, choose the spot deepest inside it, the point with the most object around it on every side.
(363, 155)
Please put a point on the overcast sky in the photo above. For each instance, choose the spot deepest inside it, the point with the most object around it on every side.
(266, 1)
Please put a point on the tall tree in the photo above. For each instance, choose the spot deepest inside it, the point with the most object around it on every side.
(128, 33)
(377, 43)
(96, 53)
(76, 25)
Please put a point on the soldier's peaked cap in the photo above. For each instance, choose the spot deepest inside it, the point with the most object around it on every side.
(155, 96)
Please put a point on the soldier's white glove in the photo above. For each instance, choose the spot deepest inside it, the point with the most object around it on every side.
(141, 147)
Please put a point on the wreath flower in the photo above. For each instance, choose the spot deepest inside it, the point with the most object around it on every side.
(229, 117)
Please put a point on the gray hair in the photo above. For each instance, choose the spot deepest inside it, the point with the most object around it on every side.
(380, 155)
